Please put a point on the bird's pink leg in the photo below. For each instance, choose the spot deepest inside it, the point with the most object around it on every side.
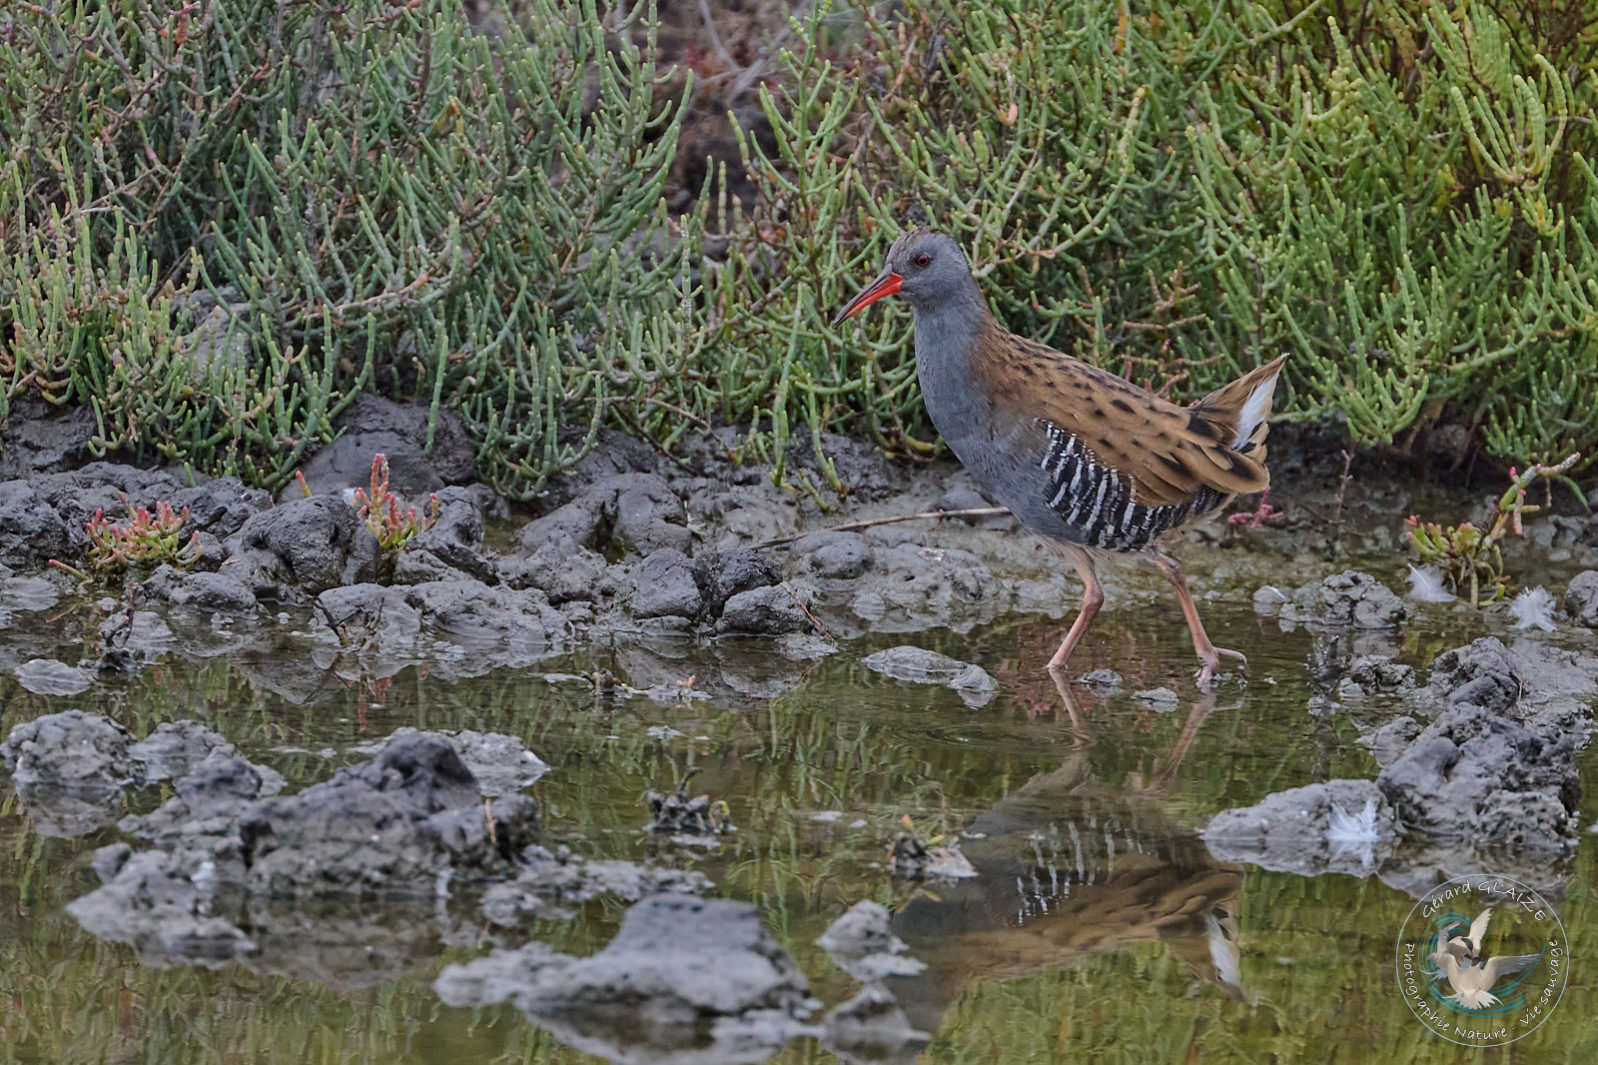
(1209, 654)
(1092, 599)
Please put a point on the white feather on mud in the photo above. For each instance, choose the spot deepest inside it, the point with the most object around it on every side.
(1533, 609)
(1353, 829)
(1426, 585)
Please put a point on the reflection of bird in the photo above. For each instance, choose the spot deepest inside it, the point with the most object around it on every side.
(1080, 455)
(1072, 867)
(1459, 961)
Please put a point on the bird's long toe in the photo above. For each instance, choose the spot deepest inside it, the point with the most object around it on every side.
(1211, 662)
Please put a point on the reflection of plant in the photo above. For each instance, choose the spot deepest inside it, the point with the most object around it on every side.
(146, 539)
(1468, 555)
(380, 509)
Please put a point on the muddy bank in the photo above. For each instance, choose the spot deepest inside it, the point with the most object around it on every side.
(639, 551)
(657, 558)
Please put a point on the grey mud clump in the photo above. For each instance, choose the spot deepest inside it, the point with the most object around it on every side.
(200, 592)
(391, 826)
(209, 799)
(664, 587)
(1374, 673)
(1391, 740)
(1477, 773)
(302, 547)
(1161, 699)
(678, 970)
(862, 945)
(548, 883)
(1358, 599)
(971, 682)
(371, 425)
(735, 592)
(453, 546)
(872, 1026)
(834, 556)
(910, 588)
(1339, 826)
(402, 826)
(774, 610)
(71, 749)
(43, 517)
(1480, 773)
(71, 768)
(1581, 599)
(500, 764)
(633, 513)
(177, 747)
(1100, 680)
(723, 575)
(464, 625)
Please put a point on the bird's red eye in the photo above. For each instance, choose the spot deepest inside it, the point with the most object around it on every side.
(923, 260)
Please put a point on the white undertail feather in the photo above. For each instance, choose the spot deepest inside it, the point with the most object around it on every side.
(1255, 410)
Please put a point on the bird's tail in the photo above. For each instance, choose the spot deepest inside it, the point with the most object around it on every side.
(1243, 408)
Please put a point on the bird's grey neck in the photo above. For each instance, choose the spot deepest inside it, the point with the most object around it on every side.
(948, 329)
(948, 339)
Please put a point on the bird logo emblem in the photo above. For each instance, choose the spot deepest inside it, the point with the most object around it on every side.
(1460, 959)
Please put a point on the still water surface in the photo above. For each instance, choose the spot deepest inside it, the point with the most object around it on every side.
(1099, 929)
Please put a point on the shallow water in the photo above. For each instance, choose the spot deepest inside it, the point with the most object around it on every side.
(1097, 929)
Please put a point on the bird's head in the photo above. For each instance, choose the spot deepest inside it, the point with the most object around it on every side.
(924, 266)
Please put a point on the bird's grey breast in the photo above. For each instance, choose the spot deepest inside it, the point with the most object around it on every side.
(998, 446)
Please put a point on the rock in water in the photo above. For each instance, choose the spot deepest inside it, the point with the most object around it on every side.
(1581, 599)
(1358, 599)
(390, 826)
(46, 676)
(73, 749)
(872, 1027)
(679, 968)
(1342, 826)
(861, 944)
(175, 748)
(973, 683)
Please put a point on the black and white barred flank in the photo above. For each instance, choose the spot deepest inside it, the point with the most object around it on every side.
(1096, 501)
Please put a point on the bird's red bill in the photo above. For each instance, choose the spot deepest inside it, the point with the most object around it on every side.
(886, 285)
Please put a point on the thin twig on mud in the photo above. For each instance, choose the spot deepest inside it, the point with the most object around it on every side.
(856, 526)
(800, 603)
